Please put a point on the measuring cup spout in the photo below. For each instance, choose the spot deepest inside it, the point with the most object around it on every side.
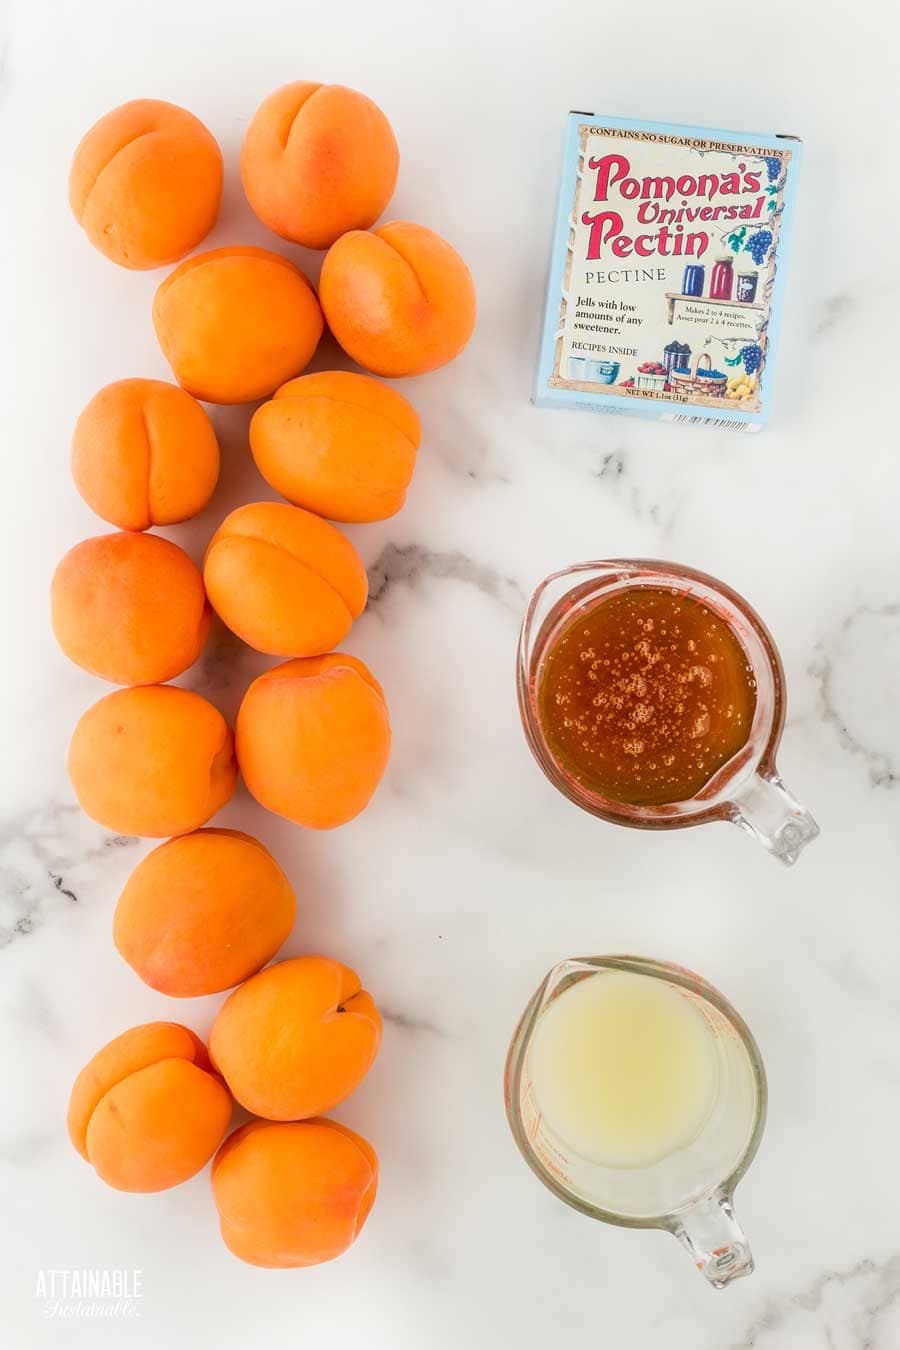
(715, 1241)
(767, 810)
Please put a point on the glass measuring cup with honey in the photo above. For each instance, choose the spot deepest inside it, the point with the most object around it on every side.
(653, 696)
(637, 1094)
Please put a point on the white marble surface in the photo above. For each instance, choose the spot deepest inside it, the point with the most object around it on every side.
(468, 876)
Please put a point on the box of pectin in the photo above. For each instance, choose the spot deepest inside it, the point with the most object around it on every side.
(667, 273)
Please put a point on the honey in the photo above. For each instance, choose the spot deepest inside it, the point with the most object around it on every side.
(643, 697)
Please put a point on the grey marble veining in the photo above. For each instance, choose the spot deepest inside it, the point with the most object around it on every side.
(43, 855)
(855, 1306)
(866, 630)
(410, 565)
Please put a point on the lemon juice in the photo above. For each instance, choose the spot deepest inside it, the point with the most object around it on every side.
(624, 1069)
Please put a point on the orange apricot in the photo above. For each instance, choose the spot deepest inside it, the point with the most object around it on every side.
(296, 1039)
(154, 761)
(294, 1193)
(203, 912)
(399, 300)
(148, 1111)
(285, 581)
(146, 183)
(313, 739)
(318, 160)
(130, 608)
(340, 444)
(235, 323)
(144, 453)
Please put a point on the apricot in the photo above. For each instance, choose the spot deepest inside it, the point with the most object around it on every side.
(201, 913)
(339, 444)
(313, 739)
(144, 453)
(399, 300)
(147, 1111)
(235, 323)
(318, 160)
(152, 761)
(285, 581)
(293, 1194)
(146, 182)
(296, 1039)
(130, 608)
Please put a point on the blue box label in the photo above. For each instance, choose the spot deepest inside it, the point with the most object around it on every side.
(667, 272)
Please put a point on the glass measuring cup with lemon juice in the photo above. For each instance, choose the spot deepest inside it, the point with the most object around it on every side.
(636, 1093)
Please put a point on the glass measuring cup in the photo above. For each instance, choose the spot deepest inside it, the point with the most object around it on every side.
(689, 1192)
(747, 790)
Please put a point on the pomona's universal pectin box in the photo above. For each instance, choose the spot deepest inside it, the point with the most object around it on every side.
(668, 270)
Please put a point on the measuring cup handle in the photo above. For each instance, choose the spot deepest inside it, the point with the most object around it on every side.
(767, 810)
(715, 1240)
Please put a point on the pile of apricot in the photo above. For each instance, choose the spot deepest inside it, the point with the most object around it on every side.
(207, 910)
(152, 1107)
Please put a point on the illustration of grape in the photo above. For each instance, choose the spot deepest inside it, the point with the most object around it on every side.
(758, 245)
(751, 357)
(773, 169)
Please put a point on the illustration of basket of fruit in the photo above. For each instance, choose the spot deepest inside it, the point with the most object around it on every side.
(700, 378)
(651, 375)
